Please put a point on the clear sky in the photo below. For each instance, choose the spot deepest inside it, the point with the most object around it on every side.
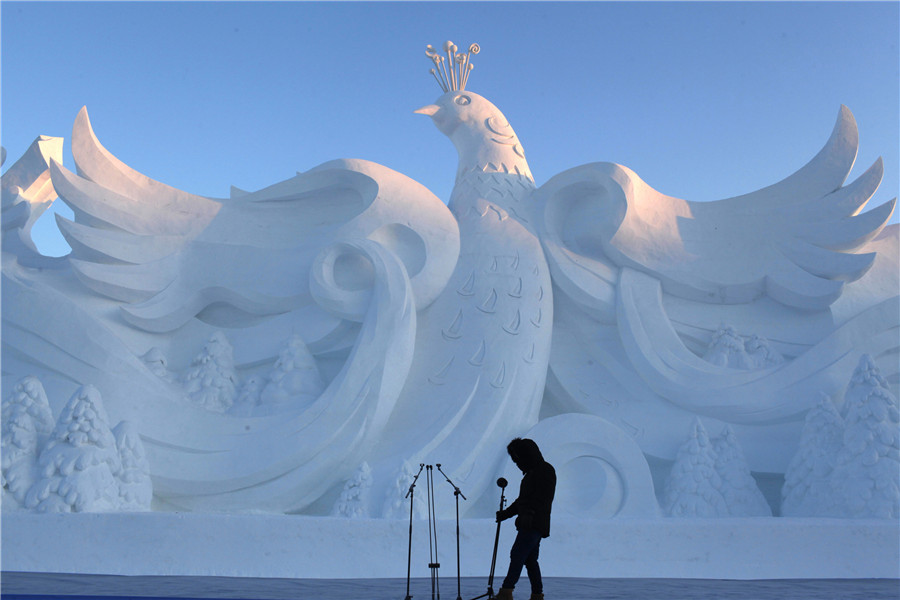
(703, 100)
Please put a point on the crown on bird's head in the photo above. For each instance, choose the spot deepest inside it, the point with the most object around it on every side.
(455, 75)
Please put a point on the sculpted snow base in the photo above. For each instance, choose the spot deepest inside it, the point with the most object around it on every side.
(299, 348)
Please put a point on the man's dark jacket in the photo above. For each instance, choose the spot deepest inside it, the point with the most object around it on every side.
(536, 490)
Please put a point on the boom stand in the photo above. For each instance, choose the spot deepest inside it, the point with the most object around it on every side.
(457, 493)
(409, 495)
(490, 591)
(434, 565)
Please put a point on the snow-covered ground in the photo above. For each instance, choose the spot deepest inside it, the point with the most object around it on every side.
(303, 547)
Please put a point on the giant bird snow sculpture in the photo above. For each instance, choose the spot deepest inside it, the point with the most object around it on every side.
(440, 332)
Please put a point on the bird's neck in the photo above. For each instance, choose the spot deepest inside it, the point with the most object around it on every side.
(494, 178)
(491, 154)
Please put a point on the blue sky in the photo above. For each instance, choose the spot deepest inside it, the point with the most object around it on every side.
(702, 100)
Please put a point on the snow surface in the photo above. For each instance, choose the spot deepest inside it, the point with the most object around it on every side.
(305, 547)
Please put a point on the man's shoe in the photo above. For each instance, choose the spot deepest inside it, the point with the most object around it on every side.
(504, 594)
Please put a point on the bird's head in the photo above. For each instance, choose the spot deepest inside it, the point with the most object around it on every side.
(477, 128)
(459, 109)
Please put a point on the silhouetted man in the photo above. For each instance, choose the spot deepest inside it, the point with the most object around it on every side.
(533, 510)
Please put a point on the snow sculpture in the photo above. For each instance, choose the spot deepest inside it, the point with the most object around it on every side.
(728, 349)
(600, 470)
(710, 478)
(440, 331)
(211, 381)
(157, 363)
(866, 474)
(693, 487)
(27, 193)
(27, 423)
(295, 378)
(848, 464)
(247, 399)
(807, 490)
(395, 500)
(353, 502)
(79, 464)
(135, 487)
(75, 465)
(739, 489)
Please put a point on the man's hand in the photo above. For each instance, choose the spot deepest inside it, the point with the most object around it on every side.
(502, 516)
(524, 522)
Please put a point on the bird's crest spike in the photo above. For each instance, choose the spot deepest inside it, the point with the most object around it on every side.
(452, 72)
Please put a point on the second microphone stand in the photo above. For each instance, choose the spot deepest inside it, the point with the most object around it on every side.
(457, 493)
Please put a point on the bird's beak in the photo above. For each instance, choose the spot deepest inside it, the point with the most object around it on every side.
(429, 110)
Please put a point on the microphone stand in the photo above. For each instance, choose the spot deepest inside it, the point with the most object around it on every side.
(457, 493)
(490, 591)
(410, 495)
(434, 565)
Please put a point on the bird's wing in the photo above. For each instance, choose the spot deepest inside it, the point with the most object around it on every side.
(170, 256)
(642, 281)
(794, 241)
(349, 249)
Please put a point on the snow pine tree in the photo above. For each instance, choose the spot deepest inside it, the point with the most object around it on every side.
(396, 501)
(742, 495)
(295, 379)
(79, 463)
(726, 349)
(135, 487)
(761, 354)
(354, 500)
(692, 488)
(807, 490)
(26, 425)
(866, 475)
(211, 382)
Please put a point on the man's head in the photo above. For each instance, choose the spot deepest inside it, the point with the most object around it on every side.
(524, 453)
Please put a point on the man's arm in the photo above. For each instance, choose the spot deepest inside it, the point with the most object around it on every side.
(510, 511)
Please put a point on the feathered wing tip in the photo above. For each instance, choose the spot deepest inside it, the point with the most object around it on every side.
(825, 173)
(123, 219)
(795, 240)
(95, 163)
(827, 230)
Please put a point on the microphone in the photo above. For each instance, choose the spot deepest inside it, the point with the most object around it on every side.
(502, 482)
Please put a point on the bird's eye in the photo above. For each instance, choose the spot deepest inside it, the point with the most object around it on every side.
(463, 100)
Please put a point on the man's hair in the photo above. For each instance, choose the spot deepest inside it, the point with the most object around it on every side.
(524, 448)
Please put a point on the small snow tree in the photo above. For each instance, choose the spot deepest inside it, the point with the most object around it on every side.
(866, 475)
(865, 378)
(396, 502)
(807, 490)
(135, 486)
(79, 463)
(742, 495)
(26, 425)
(761, 354)
(294, 379)
(354, 500)
(726, 349)
(211, 381)
(693, 486)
